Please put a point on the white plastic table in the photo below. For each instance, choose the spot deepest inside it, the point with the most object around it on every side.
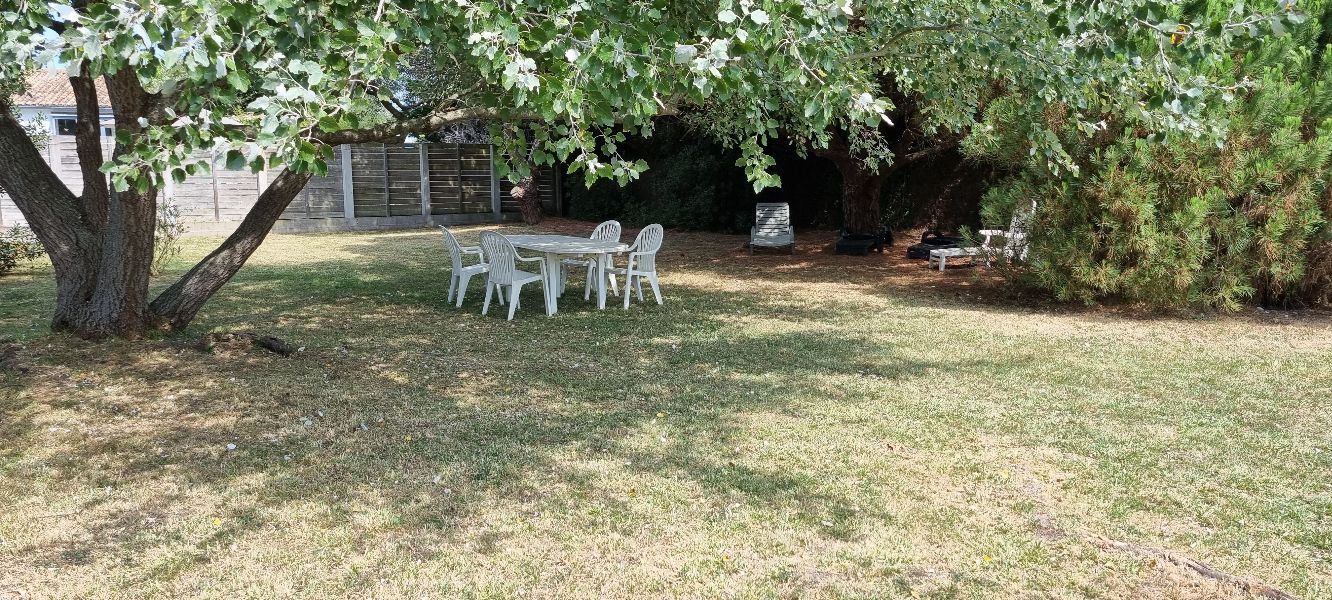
(556, 247)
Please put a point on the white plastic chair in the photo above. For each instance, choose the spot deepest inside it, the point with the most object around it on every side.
(1014, 246)
(460, 275)
(504, 272)
(607, 231)
(642, 263)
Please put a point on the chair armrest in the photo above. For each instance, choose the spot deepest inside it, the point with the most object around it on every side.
(471, 250)
(541, 262)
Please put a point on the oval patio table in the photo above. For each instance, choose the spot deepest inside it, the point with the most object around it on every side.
(557, 247)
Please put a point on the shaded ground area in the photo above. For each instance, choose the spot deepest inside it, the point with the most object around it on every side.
(785, 426)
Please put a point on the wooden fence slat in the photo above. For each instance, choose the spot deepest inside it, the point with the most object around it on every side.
(363, 180)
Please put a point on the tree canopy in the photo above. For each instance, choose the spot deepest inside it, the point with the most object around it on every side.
(277, 78)
(278, 82)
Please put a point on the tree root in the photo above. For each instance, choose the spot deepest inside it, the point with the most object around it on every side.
(1252, 587)
(214, 341)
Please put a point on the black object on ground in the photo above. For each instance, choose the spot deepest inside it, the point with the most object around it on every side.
(932, 240)
(862, 243)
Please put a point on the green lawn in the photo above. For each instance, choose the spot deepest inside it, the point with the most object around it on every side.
(801, 426)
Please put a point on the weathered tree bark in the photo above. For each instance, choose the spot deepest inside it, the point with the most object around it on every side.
(528, 196)
(54, 214)
(177, 305)
(119, 300)
(88, 143)
(861, 187)
(101, 244)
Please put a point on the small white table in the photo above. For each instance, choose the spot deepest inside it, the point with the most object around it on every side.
(556, 247)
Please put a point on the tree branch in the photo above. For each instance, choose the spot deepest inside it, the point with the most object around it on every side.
(888, 47)
(88, 143)
(45, 201)
(177, 305)
(1201, 568)
(930, 152)
(428, 124)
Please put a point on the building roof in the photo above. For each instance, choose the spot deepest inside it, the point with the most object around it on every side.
(51, 88)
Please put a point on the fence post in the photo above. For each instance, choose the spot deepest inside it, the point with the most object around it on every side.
(494, 187)
(425, 182)
(212, 175)
(557, 182)
(348, 201)
(388, 191)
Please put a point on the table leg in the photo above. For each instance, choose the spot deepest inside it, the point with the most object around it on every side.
(552, 283)
(601, 280)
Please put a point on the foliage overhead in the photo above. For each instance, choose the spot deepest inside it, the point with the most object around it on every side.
(278, 80)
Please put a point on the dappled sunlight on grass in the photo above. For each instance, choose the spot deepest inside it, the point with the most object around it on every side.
(807, 426)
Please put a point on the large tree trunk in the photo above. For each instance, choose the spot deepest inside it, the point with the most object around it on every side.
(101, 243)
(54, 215)
(176, 306)
(528, 196)
(861, 187)
(118, 303)
(860, 197)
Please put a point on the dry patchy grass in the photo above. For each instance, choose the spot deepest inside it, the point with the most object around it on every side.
(784, 427)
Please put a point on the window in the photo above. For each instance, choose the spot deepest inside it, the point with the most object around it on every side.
(70, 126)
(65, 125)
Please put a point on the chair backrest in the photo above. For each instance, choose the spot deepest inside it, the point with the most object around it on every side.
(772, 218)
(647, 244)
(499, 254)
(608, 231)
(455, 249)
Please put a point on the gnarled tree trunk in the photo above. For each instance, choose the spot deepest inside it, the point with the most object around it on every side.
(861, 187)
(861, 213)
(527, 192)
(101, 242)
(528, 196)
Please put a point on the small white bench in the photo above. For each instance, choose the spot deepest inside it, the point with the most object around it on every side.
(1013, 248)
(940, 257)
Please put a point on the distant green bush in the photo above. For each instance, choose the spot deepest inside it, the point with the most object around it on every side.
(18, 245)
(166, 236)
(1187, 223)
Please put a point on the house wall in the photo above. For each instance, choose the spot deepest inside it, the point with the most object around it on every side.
(47, 114)
(368, 186)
